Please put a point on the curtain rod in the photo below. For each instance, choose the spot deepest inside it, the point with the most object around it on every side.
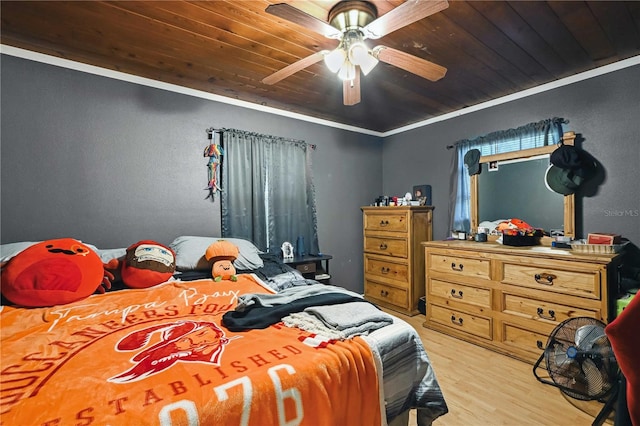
(502, 133)
(221, 131)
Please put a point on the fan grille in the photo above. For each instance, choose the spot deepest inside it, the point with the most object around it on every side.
(580, 360)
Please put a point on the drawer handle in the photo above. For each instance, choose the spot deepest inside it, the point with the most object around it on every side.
(456, 321)
(384, 293)
(458, 295)
(383, 246)
(384, 223)
(551, 316)
(539, 344)
(385, 270)
(546, 279)
(457, 268)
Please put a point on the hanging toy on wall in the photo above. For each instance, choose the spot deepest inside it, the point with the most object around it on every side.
(214, 152)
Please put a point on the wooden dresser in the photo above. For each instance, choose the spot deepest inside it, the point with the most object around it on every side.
(510, 299)
(393, 255)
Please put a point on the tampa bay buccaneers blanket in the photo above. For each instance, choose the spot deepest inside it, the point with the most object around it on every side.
(161, 356)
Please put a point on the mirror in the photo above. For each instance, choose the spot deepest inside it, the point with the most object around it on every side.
(505, 191)
(512, 185)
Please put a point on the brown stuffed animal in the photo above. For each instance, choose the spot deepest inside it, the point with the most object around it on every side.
(223, 253)
(147, 263)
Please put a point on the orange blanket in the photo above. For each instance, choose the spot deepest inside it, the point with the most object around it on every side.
(161, 356)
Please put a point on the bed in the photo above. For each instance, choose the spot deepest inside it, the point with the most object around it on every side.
(183, 352)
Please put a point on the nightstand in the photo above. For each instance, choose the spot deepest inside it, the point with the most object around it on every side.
(312, 266)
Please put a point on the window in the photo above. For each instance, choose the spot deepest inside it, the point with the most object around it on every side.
(267, 190)
(532, 135)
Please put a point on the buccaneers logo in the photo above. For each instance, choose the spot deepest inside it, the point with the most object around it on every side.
(185, 341)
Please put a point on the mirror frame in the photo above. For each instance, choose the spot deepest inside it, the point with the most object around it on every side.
(568, 138)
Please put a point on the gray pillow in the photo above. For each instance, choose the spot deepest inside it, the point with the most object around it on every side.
(7, 251)
(108, 254)
(190, 253)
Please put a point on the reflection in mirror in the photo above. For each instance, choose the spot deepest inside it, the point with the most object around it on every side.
(516, 189)
(536, 207)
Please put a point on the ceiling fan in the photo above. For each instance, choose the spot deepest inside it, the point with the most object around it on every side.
(351, 22)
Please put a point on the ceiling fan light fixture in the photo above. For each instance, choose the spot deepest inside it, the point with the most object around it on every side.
(368, 64)
(335, 59)
(347, 71)
(359, 55)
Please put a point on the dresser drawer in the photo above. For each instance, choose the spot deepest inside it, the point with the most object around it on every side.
(385, 293)
(462, 293)
(397, 247)
(583, 283)
(510, 299)
(459, 266)
(472, 324)
(306, 268)
(545, 311)
(386, 270)
(385, 221)
(524, 339)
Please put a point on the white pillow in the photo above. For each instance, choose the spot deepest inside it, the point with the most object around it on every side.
(7, 251)
(190, 253)
(107, 254)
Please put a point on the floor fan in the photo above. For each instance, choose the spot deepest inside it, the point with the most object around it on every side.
(579, 361)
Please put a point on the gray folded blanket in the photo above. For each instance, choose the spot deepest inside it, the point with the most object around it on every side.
(288, 295)
(352, 318)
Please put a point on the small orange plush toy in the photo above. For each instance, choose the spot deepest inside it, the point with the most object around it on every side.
(223, 253)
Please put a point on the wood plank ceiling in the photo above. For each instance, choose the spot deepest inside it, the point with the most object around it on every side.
(490, 48)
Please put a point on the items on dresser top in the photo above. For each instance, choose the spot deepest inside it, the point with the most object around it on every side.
(510, 298)
(393, 258)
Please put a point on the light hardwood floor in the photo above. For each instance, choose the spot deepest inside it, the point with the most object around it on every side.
(482, 387)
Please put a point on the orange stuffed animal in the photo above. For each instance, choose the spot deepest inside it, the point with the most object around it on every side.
(223, 253)
(54, 272)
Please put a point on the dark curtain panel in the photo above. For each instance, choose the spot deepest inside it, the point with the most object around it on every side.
(268, 195)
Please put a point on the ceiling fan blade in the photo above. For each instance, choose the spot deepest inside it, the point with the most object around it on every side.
(297, 16)
(405, 14)
(351, 89)
(294, 67)
(407, 62)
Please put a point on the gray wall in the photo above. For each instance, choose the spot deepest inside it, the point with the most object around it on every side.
(605, 113)
(111, 163)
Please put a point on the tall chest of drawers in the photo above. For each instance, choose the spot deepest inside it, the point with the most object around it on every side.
(393, 255)
(510, 299)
